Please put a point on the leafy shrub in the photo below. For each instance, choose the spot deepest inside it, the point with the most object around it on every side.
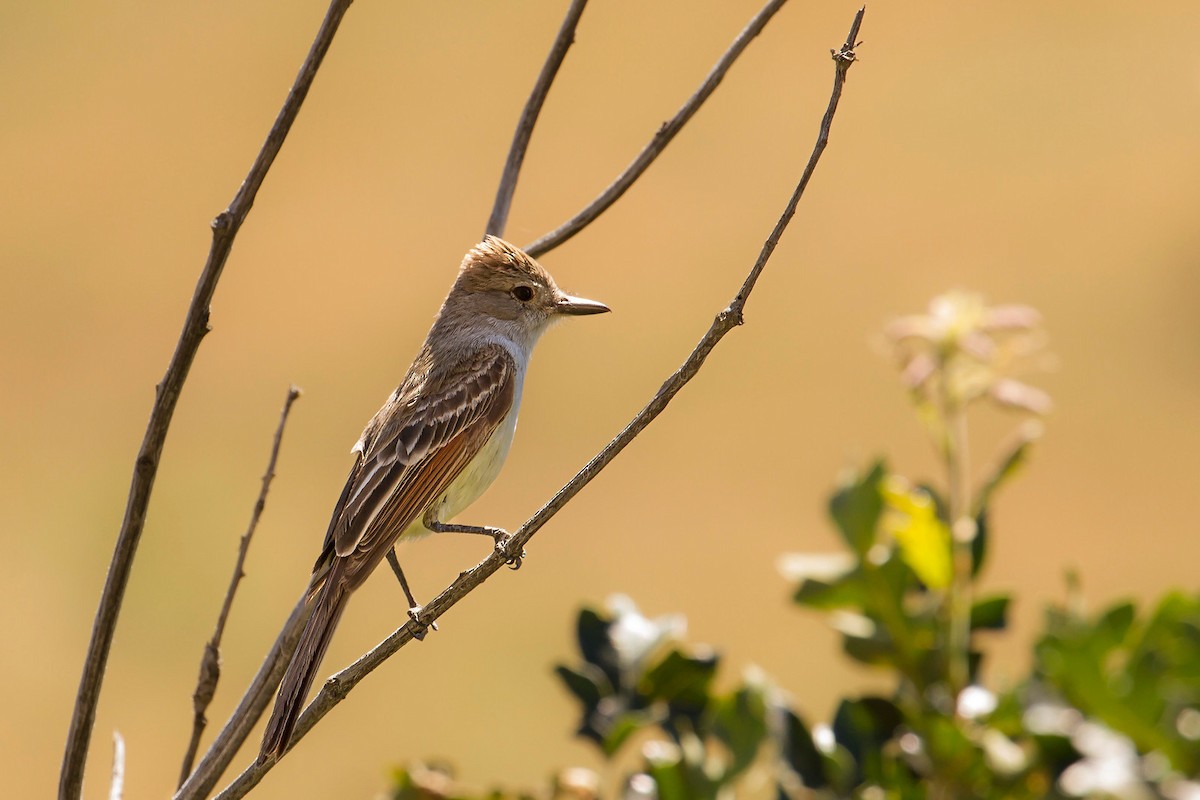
(1110, 708)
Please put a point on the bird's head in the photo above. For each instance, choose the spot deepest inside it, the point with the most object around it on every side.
(502, 284)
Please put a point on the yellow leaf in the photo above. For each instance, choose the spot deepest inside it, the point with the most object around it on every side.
(924, 540)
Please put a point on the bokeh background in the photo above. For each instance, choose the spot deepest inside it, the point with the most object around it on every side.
(1044, 153)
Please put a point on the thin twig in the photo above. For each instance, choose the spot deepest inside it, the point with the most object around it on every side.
(533, 106)
(661, 138)
(210, 662)
(251, 707)
(338, 686)
(195, 326)
(117, 788)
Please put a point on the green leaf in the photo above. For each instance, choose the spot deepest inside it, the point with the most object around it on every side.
(674, 781)
(863, 727)
(959, 758)
(848, 590)
(620, 727)
(800, 752)
(979, 545)
(841, 771)
(739, 721)
(588, 683)
(607, 719)
(990, 613)
(682, 681)
(677, 777)
(875, 649)
(856, 506)
(596, 647)
(1113, 627)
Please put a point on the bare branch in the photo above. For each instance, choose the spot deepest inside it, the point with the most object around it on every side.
(251, 707)
(117, 788)
(661, 139)
(533, 106)
(210, 662)
(337, 687)
(195, 326)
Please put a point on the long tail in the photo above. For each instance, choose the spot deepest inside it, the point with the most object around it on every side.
(302, 670)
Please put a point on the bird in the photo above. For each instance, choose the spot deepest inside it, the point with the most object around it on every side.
(437, 443)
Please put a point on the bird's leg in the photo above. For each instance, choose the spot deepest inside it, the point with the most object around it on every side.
(500, 536)
(414, 608)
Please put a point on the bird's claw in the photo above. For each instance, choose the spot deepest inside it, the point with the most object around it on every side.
(414, 614)
(503, 538)
(514, 562)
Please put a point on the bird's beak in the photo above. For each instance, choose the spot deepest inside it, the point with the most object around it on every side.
(578, 306)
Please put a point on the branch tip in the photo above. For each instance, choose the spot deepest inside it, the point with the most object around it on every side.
(662, 137)
(210, 664)
(533, 106)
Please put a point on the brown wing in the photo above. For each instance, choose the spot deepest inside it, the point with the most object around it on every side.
(415, 451)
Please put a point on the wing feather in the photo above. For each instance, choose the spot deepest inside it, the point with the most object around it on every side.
(412, 452)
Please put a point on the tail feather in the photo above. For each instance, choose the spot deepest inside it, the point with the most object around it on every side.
(302, 670)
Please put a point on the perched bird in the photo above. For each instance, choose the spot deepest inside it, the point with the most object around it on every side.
(435, 446)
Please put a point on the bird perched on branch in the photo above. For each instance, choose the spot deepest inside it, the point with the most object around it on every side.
(435, 446)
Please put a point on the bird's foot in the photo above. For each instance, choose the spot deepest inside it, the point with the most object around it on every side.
(503, 541)
(501, 537)
(414, 614)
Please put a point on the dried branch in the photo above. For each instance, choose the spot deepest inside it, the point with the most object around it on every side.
(195, 326)
(251, 707)
(661, 139)
(210, 662)
(533, 106)
(338, 686)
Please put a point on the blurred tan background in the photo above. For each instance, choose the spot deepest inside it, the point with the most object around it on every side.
(1045, 153)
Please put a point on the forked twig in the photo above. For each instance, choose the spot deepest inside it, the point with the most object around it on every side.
(210, 662)
(195, 326)
(661, 139)
(337, 687)
(516, 153)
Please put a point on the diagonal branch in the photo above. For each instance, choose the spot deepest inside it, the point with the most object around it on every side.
(661, 139)
(210, 662)
(337, 687)
(258, 694)
(195, 326)
(516, 153)
(251, 707)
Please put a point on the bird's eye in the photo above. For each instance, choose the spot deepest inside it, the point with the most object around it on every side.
(523, 293)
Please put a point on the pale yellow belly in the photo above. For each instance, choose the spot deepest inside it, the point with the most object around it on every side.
(474, 480)
(483, 469)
